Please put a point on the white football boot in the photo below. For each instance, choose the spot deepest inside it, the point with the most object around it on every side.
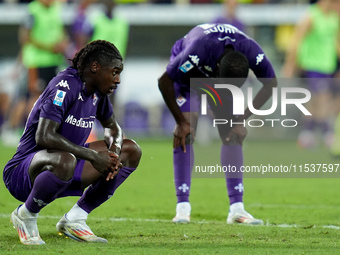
(78, 230)
(27, 228)
(237, 215)
(183, 211)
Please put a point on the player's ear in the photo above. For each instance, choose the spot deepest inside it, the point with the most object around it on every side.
(94, 67)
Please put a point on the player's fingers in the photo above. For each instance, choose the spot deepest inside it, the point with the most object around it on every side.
(232, 137)
(193, 133)
(112, 174)
(183, 145)
(240, 139)
(114, 168)
(109, 176)
(118, 165)
(113, 154)
(176, 142)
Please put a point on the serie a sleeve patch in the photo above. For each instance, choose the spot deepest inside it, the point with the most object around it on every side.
(59, 97)
(187, 66)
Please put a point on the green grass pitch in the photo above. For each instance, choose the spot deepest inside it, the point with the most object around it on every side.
(301, 215)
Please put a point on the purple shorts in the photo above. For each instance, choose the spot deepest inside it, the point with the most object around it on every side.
(186, 99)
(318, 82)
(19, 184)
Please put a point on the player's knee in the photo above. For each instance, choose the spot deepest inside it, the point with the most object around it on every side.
(131, 153)
(63, 166)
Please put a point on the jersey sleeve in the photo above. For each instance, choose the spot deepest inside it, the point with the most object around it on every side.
(105, 109)
(258, 61)
(187, 63)
(58, 98)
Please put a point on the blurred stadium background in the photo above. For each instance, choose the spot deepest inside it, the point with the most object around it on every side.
(154, 27)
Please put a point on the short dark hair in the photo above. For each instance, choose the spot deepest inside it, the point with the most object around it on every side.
(234, 64)
(101, 51)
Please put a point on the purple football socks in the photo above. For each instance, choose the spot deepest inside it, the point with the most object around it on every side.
(102, 190)
(183, 164)
(45, 189)
(233, 155)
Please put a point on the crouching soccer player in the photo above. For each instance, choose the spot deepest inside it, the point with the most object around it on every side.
(53, 160)
(212, 50)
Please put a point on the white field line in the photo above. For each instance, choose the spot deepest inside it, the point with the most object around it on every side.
(283, 225)
(293, 206)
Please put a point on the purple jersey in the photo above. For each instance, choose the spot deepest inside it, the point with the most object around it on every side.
(66, 102)
(197, 53)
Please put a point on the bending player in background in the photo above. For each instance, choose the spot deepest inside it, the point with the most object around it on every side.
(207, 52)
(52, 159)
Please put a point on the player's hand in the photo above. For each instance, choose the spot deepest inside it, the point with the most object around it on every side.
(115, 149)
(117, 165)
(180, 133)
(107, 163)
(239, 131)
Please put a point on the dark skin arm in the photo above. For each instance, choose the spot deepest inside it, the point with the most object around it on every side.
(183, 128)
(113, 137)
(262, 96)
(105, 162)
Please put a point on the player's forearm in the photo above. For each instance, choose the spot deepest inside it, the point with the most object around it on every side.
(113, 135)
(114, 138)
(261, 98)
(167, 90)
(55, 141)
(47, 137)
